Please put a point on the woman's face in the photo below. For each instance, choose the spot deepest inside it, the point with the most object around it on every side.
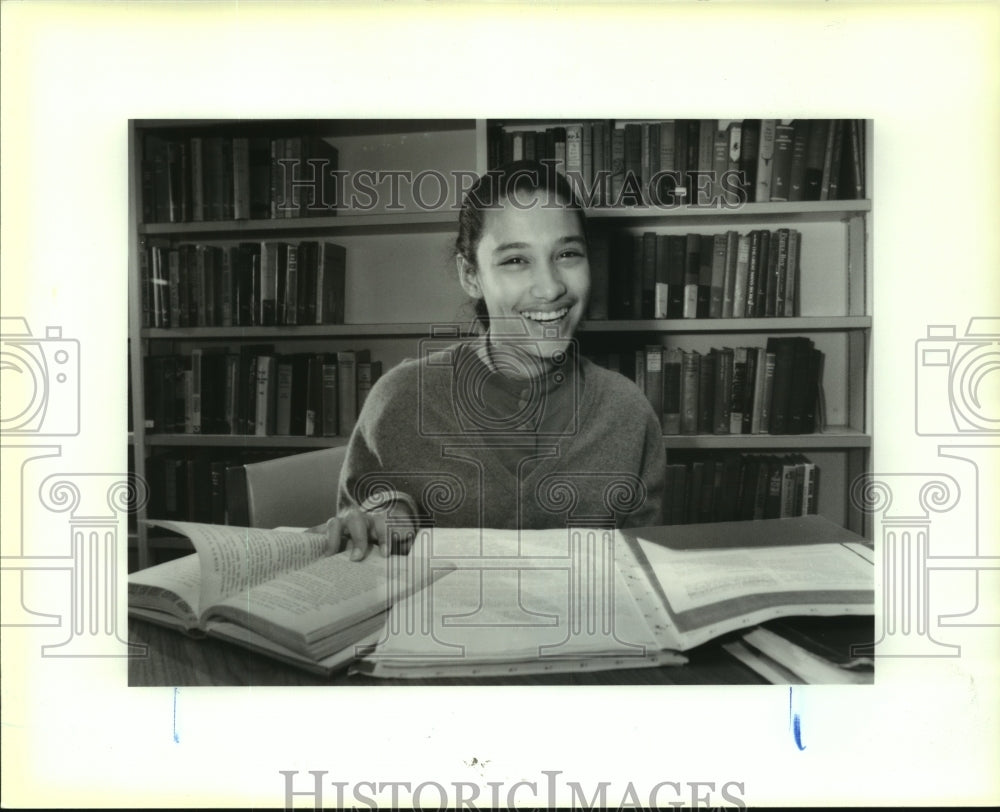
(533, 273)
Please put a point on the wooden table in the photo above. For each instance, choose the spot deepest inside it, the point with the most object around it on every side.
(173, 659)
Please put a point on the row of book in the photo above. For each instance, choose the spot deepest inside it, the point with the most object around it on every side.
(223, 177)
(739, 487)
(256, 391)
(244, 285)
(774, 389)
(711, 488)
(707, 162)
(674, 276)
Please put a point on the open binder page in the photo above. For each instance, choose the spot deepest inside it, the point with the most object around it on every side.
(712, 591)
(533, 601)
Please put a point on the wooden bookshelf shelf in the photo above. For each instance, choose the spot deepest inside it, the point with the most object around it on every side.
(247, 441)
(338, 225)
(288, 332)
(772, 325)
(801, 212)
(838, 437)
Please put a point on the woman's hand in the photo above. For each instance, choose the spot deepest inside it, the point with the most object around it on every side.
(354, 530)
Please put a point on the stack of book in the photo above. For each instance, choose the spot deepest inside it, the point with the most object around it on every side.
(185, 486)
(695, 276)
(774, 389)
(256, 391)
(211, 177)
(246, 285)
(740, 487)
(708, 162)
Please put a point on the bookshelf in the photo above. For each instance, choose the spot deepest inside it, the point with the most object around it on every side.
(400, 282)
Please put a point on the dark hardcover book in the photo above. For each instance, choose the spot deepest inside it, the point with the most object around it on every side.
(289, 313)
(705, 260)
(805, 389)
(776, 297)
(247, 381)
(711, 487)
(765, 160)
(283, 401)
(717, 281)
(784, 135)
(661, 284)
(259, 159)
(246, 284)
(331, 276)
(737, 390)
(314, 396)
(748, 486)
(150, 145)
(791, 294)
(722, 363)
(819, 130)
(730, 259)
(196, 164)
(174, 288)
(750, 145)
(648, 306)
(772, 501)
(617, 165)
(829, 190)
(620, 273)
(598, 254)
(671, 414)
(797, 170)
(368, 373)
(679, 193)
(637, 296)
(228, 262)
(693, 151)
(241, 178)
(690, 376)
(294, 167)
(299, 394)
(753, 273)
(273, 259)
(633, 164)
(329, 423)
(307, 256)
(654, 377)
(217, 478)
(852, 180)
(177, 183)
(347, 387)
(766, 392)
(706, 393)
(760, 306)
(322, 162)
(692, 274)
(720, 163)
(785, 351)
(231, 395)
(676, 275)
(749, 388)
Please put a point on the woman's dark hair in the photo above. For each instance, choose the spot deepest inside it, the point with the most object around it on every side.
(518, 180)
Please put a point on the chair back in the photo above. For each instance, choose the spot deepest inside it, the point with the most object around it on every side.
(299, 490)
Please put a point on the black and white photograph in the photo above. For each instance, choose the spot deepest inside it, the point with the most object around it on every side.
(499, 405)
(574, 363)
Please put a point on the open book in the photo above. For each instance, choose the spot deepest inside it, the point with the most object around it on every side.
(273, 591)
(579, 599)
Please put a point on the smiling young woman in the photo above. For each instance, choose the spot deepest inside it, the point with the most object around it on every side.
(513, 428)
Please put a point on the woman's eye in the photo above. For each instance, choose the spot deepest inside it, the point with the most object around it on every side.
(570, 253)
(514, 261)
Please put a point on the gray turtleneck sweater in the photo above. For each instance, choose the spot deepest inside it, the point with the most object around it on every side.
(474, 448)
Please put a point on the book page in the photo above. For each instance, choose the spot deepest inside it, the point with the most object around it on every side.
(711, 592)
(308, 607)
(170, 587)
(235, 558)
(550, 595)
(693, 578)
